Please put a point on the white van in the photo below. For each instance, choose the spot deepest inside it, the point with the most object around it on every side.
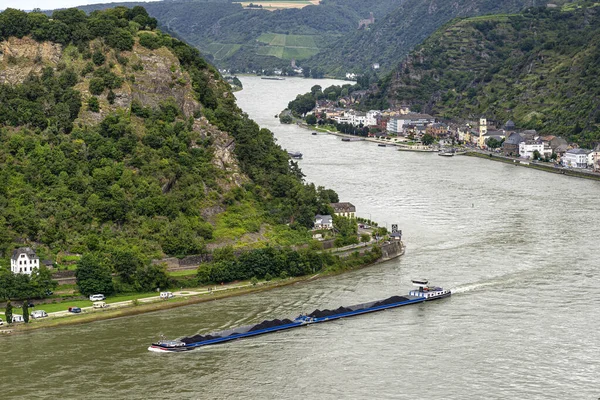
(99, 304)
(18, 318)
(166, 295)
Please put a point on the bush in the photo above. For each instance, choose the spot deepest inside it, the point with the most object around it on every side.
(98, 58)
(93, 104)
(89, 67)
(96, 86)
(111, 96)
(286, 119)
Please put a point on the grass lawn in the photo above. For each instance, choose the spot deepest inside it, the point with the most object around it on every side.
(185, 272)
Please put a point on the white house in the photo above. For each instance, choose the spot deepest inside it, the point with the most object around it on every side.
(396, 124)
(323, 222)
(23, 261)
(575, 158)
(528, 147)
(372, 117)
(358, 118)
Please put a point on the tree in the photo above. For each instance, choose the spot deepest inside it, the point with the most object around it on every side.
(125, 263)
(286, 119)
(494, 143)
(26, 311)
(536, 155)
(427, 139)
(311, 119)
(93, 276)
(365, 237)
(8, 313)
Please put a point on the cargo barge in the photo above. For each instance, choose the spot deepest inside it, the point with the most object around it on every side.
(422, 294)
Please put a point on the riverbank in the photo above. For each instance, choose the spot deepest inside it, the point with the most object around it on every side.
(534, 165)
(185, 297)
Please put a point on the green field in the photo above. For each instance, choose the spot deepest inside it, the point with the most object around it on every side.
(287, 46)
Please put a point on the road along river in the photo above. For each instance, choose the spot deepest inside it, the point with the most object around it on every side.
(518, 247)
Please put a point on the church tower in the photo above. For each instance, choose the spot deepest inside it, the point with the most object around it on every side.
(482, 131)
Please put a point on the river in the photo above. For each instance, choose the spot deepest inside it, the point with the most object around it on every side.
(517, 246)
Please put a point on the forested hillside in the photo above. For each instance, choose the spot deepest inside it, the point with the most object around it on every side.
(116, 137)
(392, 36)
(539, 68)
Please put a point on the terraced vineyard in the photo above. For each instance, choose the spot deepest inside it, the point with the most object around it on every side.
(287, 46)
(221, 51)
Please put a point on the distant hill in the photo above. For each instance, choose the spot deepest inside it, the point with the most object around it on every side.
(116, 136)
(393, 35)
(539, 68)
(234, 37)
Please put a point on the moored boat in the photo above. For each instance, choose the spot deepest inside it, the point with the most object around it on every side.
(422, 294)
(295, 154)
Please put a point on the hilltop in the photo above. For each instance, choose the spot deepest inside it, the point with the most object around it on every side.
(538, 68)
(119, 138)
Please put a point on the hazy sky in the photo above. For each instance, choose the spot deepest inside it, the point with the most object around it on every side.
(51, 4)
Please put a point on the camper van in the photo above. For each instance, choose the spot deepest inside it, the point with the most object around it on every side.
(18, 318)
(39, 314)
(99, 304)
(166, 295)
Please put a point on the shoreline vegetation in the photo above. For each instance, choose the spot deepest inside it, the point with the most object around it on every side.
(187, 296)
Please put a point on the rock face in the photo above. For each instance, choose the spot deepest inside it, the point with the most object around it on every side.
(158, 76)
(20, 57)
(162, 77)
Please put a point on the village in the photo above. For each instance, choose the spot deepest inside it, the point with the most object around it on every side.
(423, 132)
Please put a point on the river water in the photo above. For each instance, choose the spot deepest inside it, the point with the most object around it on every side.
(518, 247)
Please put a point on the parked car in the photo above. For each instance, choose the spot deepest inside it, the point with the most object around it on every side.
(39, 314)
(75, 310)
(166, 295)
(97, 297)
(17, 318)
(99, 304)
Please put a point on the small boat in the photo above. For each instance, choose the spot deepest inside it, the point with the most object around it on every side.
(295, 154)
(273, 78)
(381, 145)
(420, 295)
(446, 153)
(314, 133)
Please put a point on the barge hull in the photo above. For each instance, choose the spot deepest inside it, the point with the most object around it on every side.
(300, 321)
